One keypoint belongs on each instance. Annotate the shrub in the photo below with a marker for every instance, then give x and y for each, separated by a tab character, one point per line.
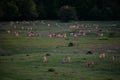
70	44
48	54
27	55
112	34
103	39
51	70
89	52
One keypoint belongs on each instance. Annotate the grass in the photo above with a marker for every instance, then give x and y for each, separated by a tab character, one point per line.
31	67
21	57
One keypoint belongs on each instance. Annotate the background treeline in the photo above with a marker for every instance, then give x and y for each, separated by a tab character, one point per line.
56	9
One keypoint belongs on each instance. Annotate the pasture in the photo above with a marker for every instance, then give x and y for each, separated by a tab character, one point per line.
23	44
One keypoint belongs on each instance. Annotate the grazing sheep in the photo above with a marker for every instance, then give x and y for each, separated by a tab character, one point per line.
66	59
90	64
17	34
64	35
49	25
102	56
101	34
8	31
30	34
112	58
44	59
50	35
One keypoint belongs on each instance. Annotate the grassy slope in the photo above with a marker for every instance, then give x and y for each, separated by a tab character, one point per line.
19	66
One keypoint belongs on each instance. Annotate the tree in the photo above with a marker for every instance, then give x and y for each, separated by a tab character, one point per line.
8	10
67	13
1	9
12	9
27	9
40	9
47	9
51	9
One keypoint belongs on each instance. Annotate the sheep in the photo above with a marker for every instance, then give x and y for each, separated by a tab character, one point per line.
66	59
64	35
102	56
17	33
101	34
90	64
30	34
112	58
49	24
50	35
44	59
8	31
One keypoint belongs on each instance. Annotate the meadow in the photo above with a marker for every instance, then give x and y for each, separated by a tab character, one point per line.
22	45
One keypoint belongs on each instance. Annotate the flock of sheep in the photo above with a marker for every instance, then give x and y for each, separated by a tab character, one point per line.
76	29
67	59
81	29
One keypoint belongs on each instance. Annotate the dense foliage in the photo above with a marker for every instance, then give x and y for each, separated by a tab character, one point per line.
50	9
67	13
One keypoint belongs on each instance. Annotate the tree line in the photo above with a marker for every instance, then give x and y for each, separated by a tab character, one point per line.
60	9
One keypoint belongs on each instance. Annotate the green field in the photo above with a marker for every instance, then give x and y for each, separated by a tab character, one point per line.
21	55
